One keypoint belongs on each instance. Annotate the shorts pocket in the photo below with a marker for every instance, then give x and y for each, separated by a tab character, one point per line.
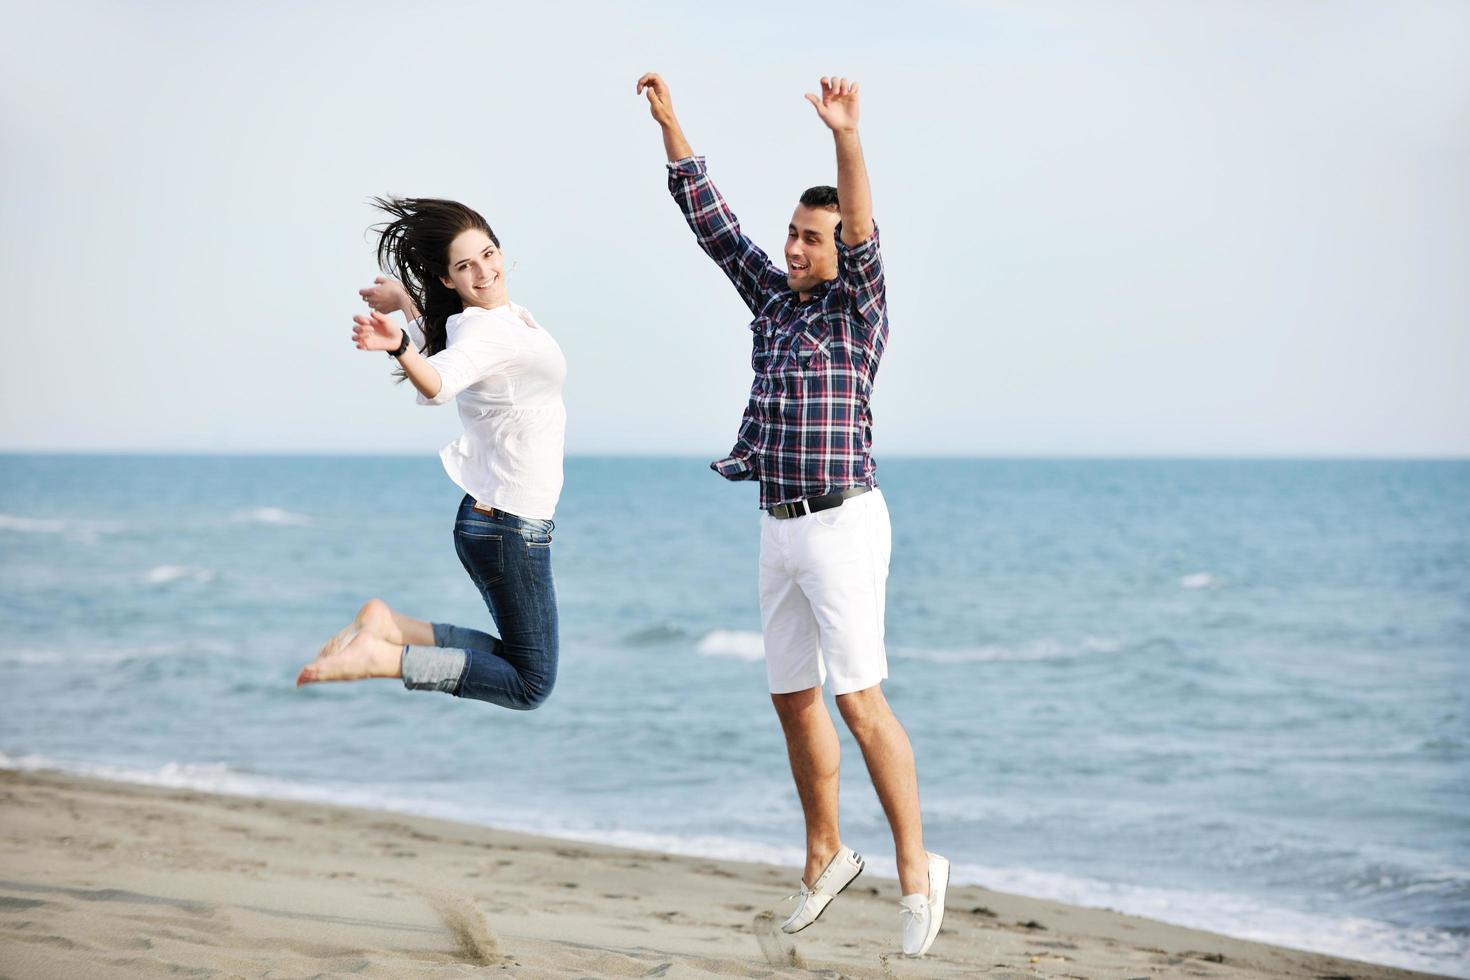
848	514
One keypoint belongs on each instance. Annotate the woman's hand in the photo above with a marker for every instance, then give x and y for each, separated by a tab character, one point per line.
376	332
386	295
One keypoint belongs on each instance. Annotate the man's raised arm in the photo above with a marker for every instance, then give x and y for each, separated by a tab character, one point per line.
662	109
838	107
859	262
715	226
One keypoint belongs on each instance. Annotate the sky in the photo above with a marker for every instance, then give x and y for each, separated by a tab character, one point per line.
1110	229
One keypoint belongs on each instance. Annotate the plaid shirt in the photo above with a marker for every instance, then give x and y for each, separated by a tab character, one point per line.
807	429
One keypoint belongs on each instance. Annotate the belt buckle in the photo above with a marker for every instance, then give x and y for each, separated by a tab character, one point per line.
797	508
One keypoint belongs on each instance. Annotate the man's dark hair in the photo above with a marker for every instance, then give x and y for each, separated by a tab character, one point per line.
820	196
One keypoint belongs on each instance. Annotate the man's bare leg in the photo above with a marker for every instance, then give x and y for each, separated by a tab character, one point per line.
890	760
811	745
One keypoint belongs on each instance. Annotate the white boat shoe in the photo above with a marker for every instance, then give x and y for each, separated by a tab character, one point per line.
813	901
922	914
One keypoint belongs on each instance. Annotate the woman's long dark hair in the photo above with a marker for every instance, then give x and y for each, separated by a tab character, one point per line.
414	249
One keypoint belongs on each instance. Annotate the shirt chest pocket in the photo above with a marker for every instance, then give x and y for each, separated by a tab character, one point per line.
807	354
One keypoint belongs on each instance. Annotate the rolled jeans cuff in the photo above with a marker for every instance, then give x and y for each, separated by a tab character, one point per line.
433	668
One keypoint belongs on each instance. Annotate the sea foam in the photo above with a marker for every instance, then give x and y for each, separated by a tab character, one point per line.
163	574
1042	649
32	525
748	645
270	515
230	781
737	644
1414	948
112	652
87	532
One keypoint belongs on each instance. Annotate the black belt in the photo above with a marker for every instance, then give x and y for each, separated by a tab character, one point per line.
813	504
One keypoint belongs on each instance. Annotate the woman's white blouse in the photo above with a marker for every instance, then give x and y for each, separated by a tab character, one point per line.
507	373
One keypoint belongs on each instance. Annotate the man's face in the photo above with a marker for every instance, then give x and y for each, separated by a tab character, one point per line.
811	248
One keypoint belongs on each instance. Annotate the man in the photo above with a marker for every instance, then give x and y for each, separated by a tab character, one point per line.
818	334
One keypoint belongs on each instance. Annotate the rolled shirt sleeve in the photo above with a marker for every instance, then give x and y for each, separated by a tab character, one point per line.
415	330
718	233
743	460
860	268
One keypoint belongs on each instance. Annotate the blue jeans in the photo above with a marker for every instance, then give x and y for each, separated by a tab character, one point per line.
509	560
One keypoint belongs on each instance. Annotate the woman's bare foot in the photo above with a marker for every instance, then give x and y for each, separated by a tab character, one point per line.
365	656
375	617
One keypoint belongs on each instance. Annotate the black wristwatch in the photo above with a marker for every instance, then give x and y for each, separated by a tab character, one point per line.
402	348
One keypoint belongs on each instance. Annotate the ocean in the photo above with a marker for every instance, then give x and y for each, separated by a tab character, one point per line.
1226	694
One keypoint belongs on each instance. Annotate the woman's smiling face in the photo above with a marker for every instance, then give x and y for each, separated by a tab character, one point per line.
477	269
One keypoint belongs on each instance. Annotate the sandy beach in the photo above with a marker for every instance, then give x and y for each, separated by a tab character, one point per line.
119	880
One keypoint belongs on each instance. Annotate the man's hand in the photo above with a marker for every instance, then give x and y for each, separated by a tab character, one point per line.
376	332
838	108
660	105
385	295
838	105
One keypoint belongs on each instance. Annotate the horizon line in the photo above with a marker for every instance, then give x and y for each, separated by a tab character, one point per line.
1299	456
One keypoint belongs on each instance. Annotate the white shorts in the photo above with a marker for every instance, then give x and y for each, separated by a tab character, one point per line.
822	583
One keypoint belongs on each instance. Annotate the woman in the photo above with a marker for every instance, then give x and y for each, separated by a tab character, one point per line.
473	345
